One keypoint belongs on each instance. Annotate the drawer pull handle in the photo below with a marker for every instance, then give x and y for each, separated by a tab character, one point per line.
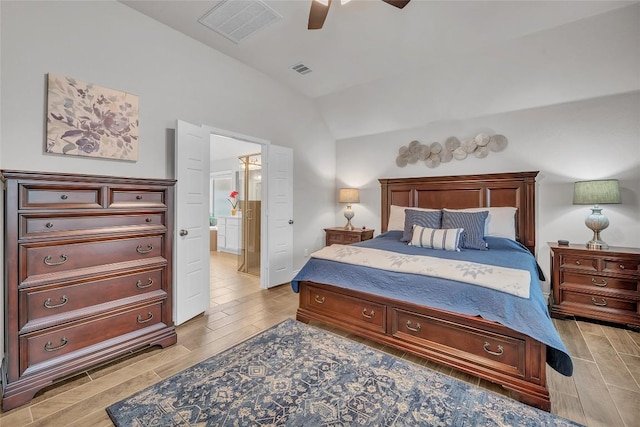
63	301
138	197
64	197
144	251
601	284
599	304
47	260
318	299
49	225
148	220
141	286
578	262
411	328
49	345
621	267
149	317
493	353
368	316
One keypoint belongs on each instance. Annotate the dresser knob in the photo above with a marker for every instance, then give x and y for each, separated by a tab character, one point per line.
49	225
621	267
144	251
148	220
578	262
64	197
138	197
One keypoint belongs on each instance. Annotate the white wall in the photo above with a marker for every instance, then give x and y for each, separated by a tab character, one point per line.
592	139
109	44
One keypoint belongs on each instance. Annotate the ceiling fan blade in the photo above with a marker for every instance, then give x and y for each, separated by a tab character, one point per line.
318	14
397	3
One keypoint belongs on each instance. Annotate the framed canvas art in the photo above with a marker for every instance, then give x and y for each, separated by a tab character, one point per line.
84	119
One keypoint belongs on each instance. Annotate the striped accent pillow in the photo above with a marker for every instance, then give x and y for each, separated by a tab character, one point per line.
473	224
422	218
440	238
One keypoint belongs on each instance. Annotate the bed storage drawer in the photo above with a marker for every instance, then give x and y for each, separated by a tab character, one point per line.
355	311
498	351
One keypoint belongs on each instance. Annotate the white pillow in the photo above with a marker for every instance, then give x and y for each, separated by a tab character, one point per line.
501	221
396	216
447	239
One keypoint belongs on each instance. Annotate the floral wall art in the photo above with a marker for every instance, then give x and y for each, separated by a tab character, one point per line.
435	153
84	119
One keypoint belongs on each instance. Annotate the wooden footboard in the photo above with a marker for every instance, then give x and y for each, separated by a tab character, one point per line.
470	344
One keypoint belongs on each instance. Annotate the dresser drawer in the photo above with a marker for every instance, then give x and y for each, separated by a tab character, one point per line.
42	306
58	226
41	197
131	198
599	302
72	256
595	281
578	263
47	345
500	352
630	267
352	310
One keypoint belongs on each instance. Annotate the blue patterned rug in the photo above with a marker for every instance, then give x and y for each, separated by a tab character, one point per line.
298	375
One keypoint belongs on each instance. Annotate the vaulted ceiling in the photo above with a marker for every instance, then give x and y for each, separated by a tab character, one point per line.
377	68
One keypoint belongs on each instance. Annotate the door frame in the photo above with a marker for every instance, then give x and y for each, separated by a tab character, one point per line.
264	277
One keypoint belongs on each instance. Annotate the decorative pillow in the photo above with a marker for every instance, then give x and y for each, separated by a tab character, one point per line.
413	217
501	221
441	238
473	224
396	216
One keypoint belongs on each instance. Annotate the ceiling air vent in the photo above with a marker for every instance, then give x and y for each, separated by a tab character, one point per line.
238	19
301	69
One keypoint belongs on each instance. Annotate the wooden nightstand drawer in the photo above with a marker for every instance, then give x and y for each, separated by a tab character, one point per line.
579	263
595	281
631	267
338	235
599	302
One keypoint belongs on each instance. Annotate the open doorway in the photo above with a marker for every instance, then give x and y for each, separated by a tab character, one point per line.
235	203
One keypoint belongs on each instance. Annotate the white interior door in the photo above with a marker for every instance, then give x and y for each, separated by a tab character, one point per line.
279	215
191	254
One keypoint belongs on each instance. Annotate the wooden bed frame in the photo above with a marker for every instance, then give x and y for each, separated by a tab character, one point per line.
470	344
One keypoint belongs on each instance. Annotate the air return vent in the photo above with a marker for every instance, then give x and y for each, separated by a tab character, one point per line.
238	19
301	68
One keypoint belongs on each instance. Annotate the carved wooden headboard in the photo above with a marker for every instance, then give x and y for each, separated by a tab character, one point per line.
515	189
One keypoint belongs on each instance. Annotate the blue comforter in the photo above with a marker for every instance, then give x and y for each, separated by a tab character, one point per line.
528	316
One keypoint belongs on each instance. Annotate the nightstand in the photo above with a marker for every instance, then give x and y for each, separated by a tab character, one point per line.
346	237
597	284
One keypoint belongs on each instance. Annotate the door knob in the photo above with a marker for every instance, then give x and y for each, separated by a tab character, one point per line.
184	232
290	221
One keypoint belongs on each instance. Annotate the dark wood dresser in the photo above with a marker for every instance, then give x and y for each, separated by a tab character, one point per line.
87	274
345	237
596	284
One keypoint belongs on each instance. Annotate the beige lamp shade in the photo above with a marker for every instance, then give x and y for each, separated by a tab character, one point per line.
349	195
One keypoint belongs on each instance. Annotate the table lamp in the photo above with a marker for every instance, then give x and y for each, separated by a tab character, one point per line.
348	196
596	193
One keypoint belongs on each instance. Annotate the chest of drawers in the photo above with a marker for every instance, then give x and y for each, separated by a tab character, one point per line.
596	284
88	274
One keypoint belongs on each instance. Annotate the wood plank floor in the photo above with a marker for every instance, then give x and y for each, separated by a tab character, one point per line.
604	391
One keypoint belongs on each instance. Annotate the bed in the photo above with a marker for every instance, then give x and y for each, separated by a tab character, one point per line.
503	338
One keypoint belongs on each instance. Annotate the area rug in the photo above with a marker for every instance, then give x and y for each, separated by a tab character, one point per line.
294	374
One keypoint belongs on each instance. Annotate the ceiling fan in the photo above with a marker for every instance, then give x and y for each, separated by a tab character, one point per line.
320	8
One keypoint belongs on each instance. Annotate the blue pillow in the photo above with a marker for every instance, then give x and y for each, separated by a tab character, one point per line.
429	219
473	224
